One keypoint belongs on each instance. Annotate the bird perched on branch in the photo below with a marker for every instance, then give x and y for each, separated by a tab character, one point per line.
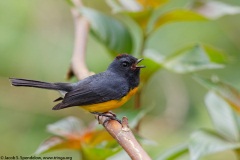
98	93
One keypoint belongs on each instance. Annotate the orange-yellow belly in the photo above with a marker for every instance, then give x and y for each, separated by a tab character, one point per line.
109	105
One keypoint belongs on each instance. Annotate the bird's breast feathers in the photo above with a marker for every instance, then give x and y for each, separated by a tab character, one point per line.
109	105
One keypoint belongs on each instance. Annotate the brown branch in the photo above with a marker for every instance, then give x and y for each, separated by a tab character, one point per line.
121	133
137	100
78	65
125	137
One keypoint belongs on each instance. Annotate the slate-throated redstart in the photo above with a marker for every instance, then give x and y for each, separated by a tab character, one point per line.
98	93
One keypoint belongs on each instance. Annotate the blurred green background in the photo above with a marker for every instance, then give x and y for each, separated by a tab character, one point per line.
36	42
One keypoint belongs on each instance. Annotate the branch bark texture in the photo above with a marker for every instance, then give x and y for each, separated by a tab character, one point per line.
78	65
125	137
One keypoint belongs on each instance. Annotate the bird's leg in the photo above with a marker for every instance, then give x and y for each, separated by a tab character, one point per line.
110	112
110	115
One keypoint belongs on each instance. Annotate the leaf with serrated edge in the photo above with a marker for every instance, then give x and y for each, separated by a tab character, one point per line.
205	142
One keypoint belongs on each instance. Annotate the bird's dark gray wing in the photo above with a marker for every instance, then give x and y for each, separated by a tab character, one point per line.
95	89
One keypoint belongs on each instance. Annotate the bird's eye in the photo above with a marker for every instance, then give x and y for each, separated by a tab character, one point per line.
125	64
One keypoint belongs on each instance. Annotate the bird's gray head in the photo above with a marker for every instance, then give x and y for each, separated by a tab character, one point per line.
127	66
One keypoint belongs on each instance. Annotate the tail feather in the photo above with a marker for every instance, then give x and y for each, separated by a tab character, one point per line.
60	106
39	84
58	99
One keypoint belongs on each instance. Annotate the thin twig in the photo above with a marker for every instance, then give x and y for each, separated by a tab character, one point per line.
137	100
124	136
121	133
78	65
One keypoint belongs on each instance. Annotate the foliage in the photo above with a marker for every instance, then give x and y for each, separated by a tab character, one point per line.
106	29
70	133
92	142
222	103
128	29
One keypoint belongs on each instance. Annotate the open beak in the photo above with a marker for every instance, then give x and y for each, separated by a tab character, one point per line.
138	61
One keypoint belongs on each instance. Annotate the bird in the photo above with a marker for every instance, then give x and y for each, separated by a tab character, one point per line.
98	93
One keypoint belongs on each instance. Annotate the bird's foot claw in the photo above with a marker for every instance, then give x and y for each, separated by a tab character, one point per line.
110	116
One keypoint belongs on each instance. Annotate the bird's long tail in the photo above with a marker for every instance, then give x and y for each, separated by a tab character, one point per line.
40	84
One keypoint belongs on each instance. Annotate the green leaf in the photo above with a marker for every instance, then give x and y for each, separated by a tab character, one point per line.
152	61
194	58
177	15
214	9
154	55
141	17
100	145
227	92
136	33
223	117
72	135
140	11
120	155
102	152
135	115
109	31
97	137
215	55
205	142
174	152
141	113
